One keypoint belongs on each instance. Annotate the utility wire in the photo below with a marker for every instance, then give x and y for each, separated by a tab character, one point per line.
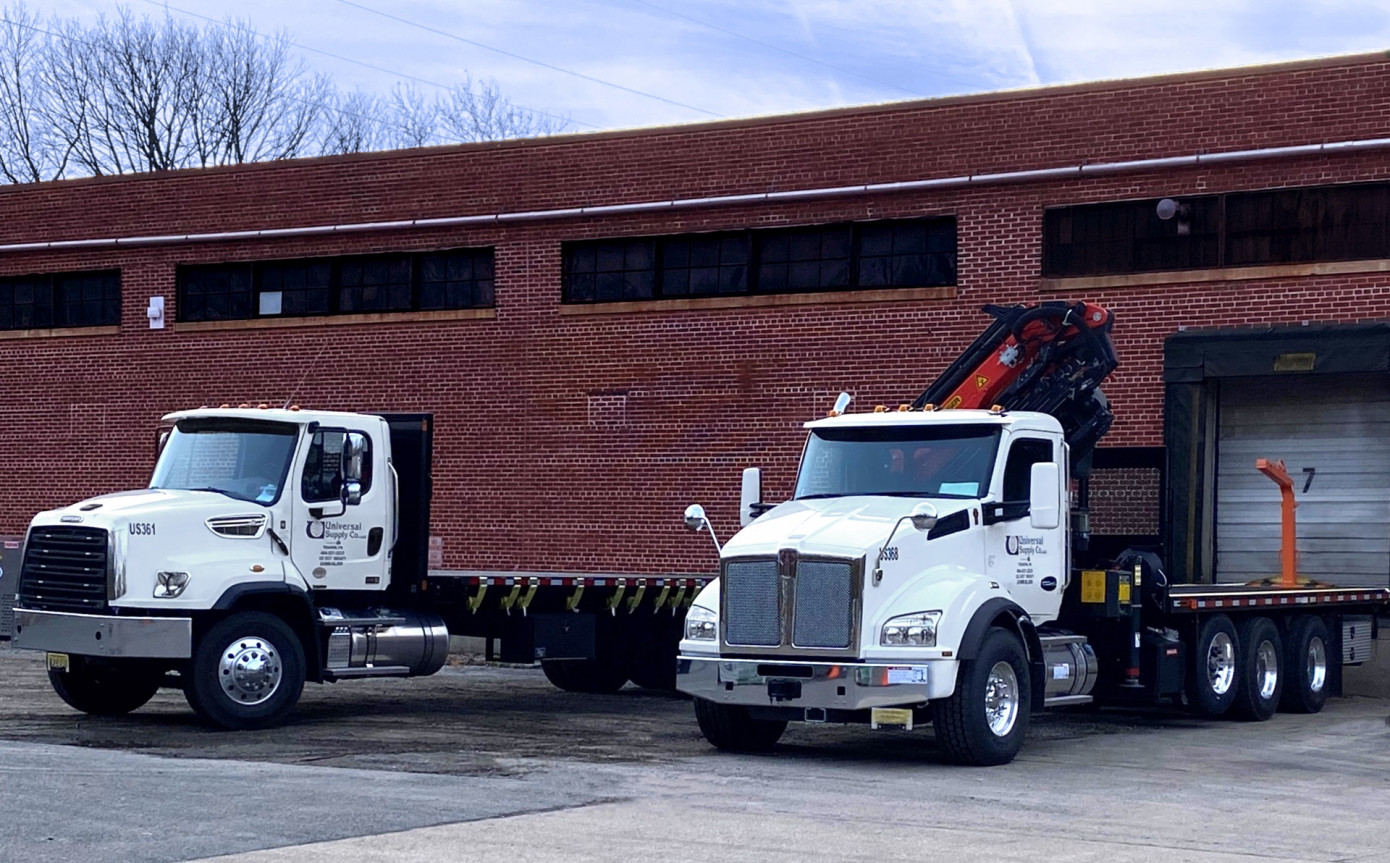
402	75
778	48
531	60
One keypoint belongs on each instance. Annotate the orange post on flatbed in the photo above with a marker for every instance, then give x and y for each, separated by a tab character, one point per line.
1288	534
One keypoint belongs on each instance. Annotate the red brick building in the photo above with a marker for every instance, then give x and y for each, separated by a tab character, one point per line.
610	326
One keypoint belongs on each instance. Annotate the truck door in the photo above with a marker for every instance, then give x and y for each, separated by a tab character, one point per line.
338	546
1031	563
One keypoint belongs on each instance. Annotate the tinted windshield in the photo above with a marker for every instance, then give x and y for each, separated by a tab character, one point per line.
914	461
244	459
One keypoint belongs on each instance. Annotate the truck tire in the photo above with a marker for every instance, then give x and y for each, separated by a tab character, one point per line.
247	672
730	728
1260	680
1305	665
105	687
1215	668
585	675
984	721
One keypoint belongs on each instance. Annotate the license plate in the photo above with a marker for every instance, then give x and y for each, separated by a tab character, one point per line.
891	717
58	661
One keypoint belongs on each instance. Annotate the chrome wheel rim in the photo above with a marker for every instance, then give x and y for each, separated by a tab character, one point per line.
1001	699
250	670
1317	664
1266	669
1221	664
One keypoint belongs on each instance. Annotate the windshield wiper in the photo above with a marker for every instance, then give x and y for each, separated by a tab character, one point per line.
823	494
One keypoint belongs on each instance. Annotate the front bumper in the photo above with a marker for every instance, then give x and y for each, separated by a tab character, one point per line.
103	635
773	683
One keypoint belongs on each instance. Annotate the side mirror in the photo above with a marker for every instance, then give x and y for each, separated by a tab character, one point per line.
924	516
695	517
352	492
695	520
1045	500
752	495
354	447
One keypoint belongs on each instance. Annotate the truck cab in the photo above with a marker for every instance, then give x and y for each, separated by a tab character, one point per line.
916	544
259	556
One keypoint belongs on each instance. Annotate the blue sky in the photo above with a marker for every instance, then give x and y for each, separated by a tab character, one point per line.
725	58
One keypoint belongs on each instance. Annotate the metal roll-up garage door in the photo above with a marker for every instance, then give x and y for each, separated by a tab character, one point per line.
1334	428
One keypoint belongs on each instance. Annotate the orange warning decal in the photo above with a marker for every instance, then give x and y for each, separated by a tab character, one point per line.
981	382
953	402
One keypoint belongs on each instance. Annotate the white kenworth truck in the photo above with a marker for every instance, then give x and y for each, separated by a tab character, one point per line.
922	572
275	546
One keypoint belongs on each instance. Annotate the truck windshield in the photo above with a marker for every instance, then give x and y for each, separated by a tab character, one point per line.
911	461
244	459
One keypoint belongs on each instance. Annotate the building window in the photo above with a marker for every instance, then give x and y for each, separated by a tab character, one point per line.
454	279
1240	229
60	300
805	259
901	253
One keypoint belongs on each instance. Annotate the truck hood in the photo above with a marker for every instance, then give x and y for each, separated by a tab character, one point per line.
837	527
147	505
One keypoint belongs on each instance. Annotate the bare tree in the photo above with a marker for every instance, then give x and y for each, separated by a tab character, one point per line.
477	111
259	102
130	93
31	150
353	123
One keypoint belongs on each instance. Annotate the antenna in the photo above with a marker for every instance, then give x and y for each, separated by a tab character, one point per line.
304	377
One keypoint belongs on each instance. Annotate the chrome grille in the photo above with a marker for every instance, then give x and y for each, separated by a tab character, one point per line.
823	613
64	570
791	605
751	598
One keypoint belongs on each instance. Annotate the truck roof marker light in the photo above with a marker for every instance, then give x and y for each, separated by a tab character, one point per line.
225	405
294	408
243	405
996	409
832	413
928	408
880	409
263	406
902	409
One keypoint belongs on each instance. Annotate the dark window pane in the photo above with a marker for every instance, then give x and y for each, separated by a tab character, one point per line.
804	259
455	279
896	254
704	265
623	270
218	292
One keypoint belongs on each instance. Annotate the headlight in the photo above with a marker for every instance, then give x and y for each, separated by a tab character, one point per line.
701	624
914	630
169	585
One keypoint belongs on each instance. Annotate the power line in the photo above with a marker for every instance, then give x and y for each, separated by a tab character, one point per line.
365	64
531	60
786	51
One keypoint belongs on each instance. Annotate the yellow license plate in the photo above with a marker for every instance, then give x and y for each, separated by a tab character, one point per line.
891	717
58	661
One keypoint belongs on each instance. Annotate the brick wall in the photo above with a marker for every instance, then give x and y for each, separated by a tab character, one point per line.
573	441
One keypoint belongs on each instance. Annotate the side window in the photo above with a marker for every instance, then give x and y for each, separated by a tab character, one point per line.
1018	470
323	478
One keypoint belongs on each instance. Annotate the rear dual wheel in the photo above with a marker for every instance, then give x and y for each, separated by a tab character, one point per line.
1306	665
1237	669
1261	679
